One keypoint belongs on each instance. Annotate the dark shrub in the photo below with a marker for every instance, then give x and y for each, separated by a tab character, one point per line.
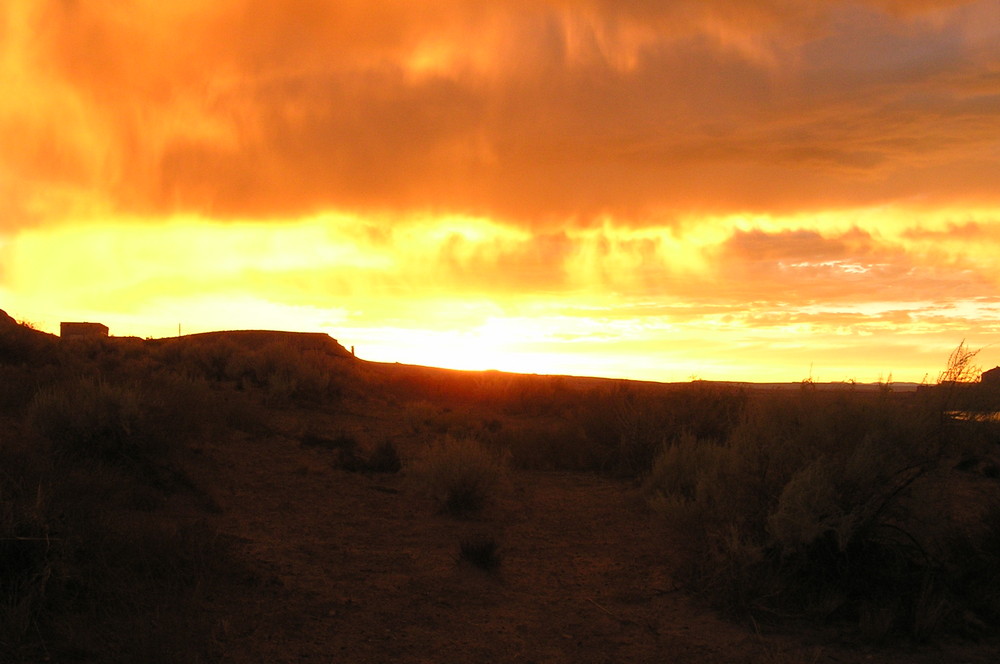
29	554
21	344
483	551
384	459
826	506
633	425
17	387
94	418
461	475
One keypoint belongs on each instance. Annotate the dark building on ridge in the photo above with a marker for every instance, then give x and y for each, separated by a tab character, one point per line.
82	330
991	377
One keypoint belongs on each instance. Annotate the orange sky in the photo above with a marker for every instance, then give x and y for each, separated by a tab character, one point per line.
635	188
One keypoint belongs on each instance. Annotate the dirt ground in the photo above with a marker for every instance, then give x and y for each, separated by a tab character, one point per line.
361	568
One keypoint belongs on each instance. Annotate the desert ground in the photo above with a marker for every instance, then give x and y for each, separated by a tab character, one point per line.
260	524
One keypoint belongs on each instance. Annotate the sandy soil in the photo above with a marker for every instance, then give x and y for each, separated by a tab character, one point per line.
356	568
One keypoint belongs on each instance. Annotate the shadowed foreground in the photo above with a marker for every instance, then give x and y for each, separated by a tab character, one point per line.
266	497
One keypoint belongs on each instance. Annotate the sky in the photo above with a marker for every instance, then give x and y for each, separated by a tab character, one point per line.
660	190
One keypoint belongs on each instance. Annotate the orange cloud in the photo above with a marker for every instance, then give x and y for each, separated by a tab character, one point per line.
561	110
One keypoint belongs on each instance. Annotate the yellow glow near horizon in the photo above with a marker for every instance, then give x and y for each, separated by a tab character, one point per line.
648	303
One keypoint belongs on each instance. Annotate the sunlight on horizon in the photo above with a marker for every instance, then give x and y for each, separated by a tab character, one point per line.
548	346
736	299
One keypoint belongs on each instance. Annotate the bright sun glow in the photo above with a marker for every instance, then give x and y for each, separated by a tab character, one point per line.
456	292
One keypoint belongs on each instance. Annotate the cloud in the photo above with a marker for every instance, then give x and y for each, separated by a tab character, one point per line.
715	269
969	230
795	245
564	111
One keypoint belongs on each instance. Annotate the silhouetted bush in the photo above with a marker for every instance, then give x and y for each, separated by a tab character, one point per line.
21	344
284	372
344	446
17	387
91	417
546	444
826	506
973	560
384	459
97	418
339	442
462	475
29	552
632	424
483	551
281	371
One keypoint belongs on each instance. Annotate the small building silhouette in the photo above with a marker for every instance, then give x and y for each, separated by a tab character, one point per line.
82	330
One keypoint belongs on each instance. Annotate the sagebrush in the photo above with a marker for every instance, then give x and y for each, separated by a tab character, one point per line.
832	506
462	475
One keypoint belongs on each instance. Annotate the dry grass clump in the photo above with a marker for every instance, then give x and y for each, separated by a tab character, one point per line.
129	420
544	444
646	424
384	459
93	417
280	371
627	427
21	344
283	373
28	552
339	442
17	386
480	550
462	475
616	429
